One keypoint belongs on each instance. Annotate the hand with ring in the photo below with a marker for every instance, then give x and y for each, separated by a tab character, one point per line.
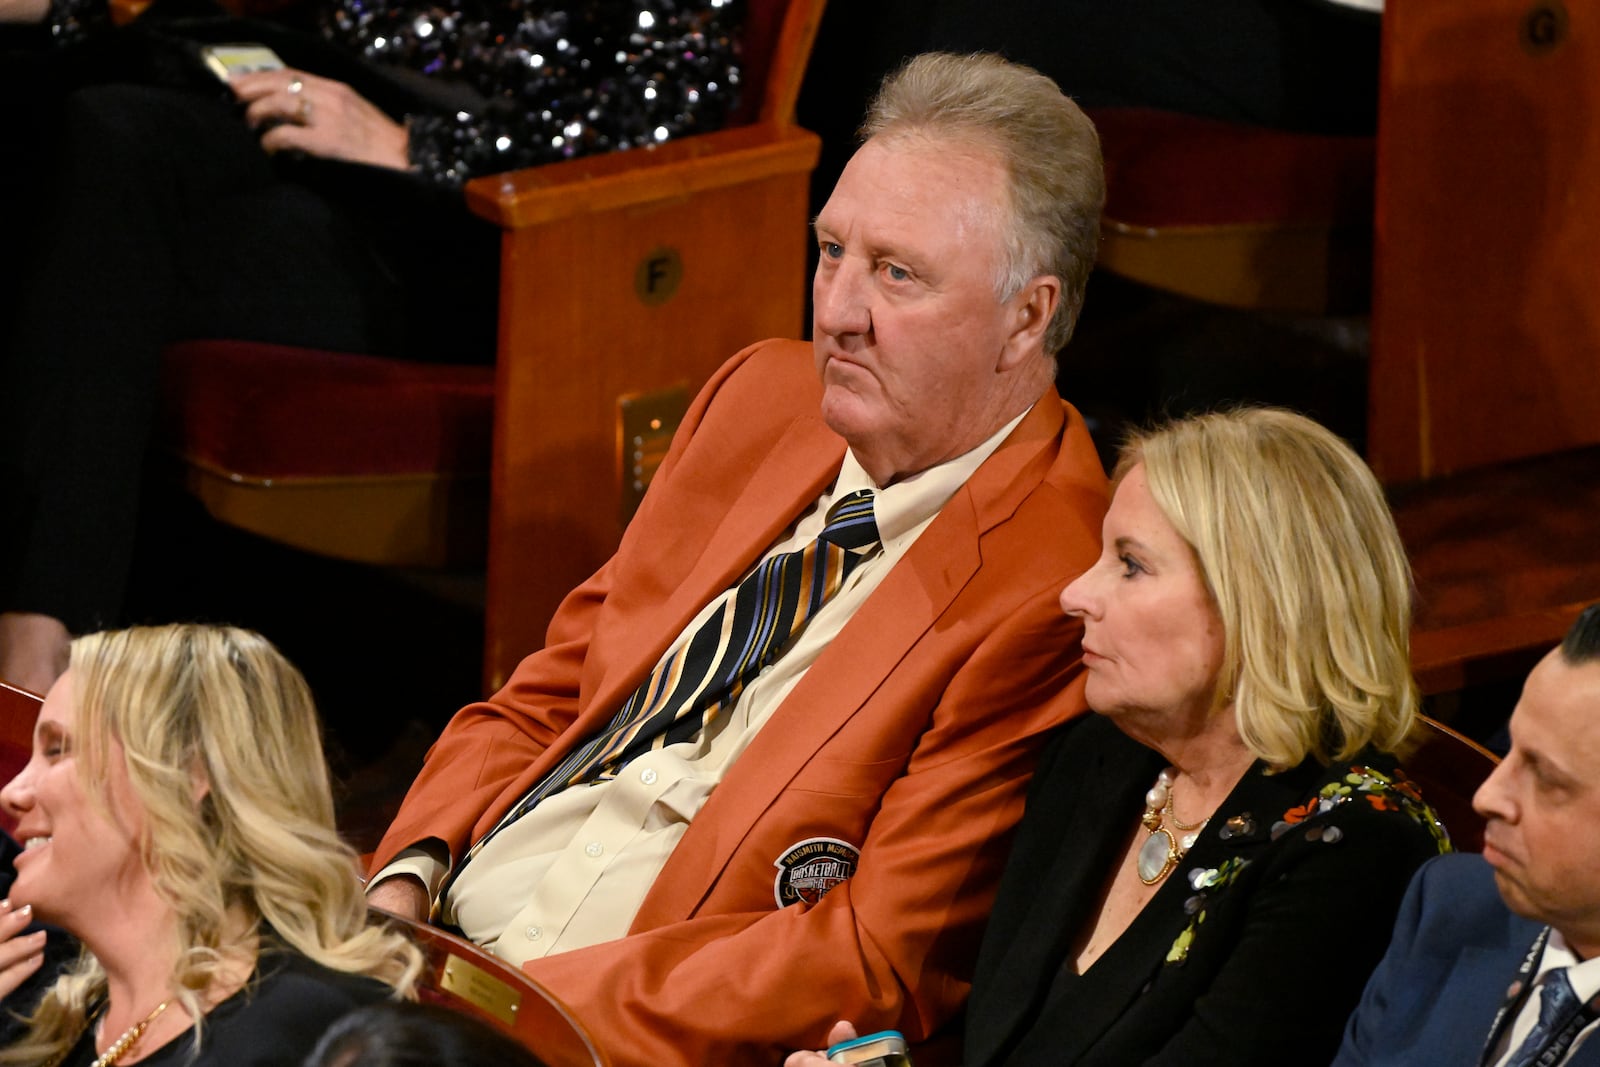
321	117
297	88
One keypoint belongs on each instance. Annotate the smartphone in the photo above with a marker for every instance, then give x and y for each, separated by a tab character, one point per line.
226	60
886	1048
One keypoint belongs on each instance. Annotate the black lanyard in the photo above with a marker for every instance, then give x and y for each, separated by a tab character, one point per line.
1555	1049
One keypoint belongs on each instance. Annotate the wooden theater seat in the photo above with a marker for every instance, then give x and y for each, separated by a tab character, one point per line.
626	279
464	977
1505	558
19	708
1484	399
1236	215
1450	768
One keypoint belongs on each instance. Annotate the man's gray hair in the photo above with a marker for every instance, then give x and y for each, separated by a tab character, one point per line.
1046	143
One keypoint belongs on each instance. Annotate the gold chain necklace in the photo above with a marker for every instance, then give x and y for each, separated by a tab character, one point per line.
1161	850
129	1038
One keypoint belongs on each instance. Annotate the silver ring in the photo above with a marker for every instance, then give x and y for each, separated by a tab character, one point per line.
296	86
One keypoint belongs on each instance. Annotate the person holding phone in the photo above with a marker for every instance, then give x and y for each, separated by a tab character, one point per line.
317	205
1208	869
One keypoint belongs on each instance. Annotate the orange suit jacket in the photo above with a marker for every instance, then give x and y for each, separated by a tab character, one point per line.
911	738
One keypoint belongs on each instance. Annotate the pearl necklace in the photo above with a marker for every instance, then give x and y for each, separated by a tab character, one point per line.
1161	851
129	1038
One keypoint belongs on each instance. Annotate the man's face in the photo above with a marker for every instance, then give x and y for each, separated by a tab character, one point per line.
911	338
1543	803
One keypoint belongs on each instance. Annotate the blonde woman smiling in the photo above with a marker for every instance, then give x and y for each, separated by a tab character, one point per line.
177	820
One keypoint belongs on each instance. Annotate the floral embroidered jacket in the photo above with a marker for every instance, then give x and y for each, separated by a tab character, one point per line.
1253	951
544	80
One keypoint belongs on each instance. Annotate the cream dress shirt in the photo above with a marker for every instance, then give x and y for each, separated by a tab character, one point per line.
574	871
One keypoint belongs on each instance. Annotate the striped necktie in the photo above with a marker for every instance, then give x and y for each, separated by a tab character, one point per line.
704	675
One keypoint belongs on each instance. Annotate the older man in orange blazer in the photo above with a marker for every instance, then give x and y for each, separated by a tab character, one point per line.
717	884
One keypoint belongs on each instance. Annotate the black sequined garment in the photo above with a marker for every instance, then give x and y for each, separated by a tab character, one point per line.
563	80
559	79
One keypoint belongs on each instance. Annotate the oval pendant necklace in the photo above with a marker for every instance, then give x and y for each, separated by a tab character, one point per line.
1161	851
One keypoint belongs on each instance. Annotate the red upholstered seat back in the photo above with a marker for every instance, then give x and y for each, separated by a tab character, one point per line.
1164	169
18	710
265	410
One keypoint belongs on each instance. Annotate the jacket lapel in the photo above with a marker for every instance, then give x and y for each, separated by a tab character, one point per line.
1119	977
696	565
843	679
794	473
1023	975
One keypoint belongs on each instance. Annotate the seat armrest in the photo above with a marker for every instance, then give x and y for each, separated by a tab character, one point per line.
521	198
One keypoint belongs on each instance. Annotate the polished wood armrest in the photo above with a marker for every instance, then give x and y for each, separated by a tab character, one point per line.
1449	767
664	173
465	978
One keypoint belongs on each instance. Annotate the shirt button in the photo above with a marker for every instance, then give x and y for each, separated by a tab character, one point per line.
648	776
594	848
534	933
767	669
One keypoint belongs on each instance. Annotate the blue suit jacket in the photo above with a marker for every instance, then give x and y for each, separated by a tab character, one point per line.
1455	951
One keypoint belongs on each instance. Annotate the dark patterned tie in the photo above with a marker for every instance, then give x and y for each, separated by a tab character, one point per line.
702	677
1558	1007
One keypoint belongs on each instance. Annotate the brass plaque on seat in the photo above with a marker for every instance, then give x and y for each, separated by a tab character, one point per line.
481	989
645	425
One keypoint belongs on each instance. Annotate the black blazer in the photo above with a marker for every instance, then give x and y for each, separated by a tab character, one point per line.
274	1021
1261	966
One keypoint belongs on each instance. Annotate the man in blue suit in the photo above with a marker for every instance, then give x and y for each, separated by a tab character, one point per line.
1496	958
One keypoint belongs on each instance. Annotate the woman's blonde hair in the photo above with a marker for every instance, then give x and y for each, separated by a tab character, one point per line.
1301	556
217	712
